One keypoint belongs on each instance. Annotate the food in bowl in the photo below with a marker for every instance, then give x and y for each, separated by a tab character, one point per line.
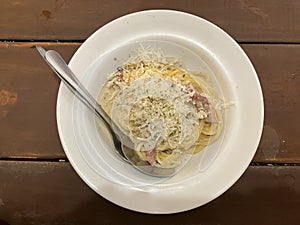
166	110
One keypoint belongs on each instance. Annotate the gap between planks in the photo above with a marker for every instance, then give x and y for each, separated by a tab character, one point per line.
8	41
19	159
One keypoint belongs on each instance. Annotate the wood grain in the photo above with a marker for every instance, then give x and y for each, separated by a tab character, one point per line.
279	73
52	193
28	125
245	20
28	91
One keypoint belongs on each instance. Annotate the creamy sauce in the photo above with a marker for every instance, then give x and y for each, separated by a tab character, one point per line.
177	113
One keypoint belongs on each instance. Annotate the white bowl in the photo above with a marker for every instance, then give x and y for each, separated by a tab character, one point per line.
201	46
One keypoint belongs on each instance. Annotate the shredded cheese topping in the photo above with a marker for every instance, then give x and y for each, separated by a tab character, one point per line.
165	110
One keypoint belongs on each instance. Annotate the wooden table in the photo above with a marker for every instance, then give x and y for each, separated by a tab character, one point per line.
37	183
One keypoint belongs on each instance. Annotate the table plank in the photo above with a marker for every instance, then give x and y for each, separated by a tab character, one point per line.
245	20
28	92
52	193
278	69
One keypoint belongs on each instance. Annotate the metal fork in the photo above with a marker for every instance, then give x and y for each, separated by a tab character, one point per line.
58	65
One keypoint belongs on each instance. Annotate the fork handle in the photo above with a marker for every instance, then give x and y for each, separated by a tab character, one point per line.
59	66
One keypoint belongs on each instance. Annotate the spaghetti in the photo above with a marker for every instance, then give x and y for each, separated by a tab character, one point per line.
167	111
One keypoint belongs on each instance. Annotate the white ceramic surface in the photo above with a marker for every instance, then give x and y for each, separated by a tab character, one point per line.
191	39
